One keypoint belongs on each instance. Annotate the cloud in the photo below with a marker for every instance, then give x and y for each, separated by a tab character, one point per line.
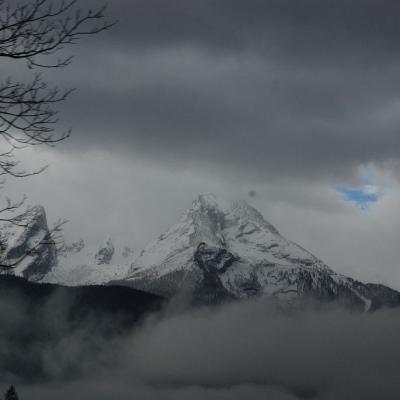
269	88
239	350
233	26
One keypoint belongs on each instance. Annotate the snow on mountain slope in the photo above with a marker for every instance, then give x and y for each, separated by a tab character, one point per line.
78	264
221	249
73	264
236	226
218	250
25	242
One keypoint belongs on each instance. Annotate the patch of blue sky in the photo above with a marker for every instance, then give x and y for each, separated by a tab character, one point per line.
362	196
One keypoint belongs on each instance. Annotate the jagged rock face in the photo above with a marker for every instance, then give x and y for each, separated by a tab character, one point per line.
105	253
220	250
225	276
71	264
18	241
213	262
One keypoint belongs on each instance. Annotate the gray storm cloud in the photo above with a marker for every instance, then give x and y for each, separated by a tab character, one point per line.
269	88
273	88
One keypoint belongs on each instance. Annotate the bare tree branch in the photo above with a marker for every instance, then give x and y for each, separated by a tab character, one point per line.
36	33
43	28
50	239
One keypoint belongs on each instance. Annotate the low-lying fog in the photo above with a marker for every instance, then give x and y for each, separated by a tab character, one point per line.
238	351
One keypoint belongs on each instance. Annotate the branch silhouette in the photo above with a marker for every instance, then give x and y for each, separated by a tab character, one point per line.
36	33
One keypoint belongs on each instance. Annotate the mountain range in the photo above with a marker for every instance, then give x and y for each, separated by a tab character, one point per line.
218	250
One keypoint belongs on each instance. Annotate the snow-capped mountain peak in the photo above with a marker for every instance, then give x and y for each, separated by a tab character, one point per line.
226	249
233	225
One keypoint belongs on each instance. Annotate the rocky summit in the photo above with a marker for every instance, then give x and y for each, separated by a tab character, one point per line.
226	250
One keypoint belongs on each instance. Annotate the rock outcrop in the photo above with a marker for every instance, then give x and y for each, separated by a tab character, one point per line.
27	245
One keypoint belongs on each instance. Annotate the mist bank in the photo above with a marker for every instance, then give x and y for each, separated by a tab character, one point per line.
250	349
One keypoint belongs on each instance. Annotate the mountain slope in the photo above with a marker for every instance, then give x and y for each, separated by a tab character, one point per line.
78	264
28	231
220	250
73	264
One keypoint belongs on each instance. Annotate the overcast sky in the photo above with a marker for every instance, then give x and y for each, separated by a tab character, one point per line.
292	100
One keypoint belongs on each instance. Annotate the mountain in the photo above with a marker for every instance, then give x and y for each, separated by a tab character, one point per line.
25	242
72	264
223	250
219	250
78	264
